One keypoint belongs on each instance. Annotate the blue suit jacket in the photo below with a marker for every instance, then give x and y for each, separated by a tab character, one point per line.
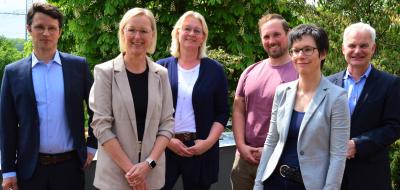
210	104
375	124
19	121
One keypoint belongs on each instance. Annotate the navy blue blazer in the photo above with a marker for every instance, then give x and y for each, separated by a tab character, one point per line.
210	104
19	121
375	124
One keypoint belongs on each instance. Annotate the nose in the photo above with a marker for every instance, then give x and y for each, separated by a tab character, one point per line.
137	34
46	31
357	49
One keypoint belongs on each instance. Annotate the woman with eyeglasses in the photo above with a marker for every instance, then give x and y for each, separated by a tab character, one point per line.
133	114
199	89
310	125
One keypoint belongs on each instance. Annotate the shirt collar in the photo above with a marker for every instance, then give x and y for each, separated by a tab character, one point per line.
56	59
365	75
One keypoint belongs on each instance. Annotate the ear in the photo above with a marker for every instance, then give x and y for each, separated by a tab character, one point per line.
343	51
29	28
322	55
374	48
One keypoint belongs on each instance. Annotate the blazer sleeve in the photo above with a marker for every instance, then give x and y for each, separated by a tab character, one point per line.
100	101
166	120
91	140
388	132
8	126
270	143
339	135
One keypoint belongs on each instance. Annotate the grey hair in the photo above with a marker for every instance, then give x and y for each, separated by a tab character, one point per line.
360	26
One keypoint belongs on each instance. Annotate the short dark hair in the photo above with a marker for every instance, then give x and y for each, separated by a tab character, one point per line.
317	33
264	19
47	9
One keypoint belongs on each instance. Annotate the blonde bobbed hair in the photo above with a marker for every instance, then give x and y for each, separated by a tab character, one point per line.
132	13
175	51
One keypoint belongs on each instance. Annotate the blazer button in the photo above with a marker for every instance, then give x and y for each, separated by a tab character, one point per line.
302	153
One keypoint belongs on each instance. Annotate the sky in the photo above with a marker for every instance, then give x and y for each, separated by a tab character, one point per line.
13	26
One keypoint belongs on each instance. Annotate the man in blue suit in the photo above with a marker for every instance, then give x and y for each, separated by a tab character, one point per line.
42	117
374	102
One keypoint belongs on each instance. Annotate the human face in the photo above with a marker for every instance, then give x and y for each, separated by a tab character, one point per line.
358	49
191	35
274	38
138	35
307	64
45	32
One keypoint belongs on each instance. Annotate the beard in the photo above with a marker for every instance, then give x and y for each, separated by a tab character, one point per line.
279	52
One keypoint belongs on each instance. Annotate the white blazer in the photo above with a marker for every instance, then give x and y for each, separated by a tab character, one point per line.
323	136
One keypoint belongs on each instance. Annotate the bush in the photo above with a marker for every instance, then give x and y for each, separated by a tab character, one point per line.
395	164
8	54
233	66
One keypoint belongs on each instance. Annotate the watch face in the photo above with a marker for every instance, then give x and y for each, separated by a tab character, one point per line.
151	163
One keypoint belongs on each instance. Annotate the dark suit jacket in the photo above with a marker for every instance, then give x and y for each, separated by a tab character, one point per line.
19	121
210	104
375	124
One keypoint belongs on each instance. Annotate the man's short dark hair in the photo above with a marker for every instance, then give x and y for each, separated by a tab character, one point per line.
317	33
46	9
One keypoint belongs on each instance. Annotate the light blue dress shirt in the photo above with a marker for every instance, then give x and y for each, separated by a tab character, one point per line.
354	88
48	84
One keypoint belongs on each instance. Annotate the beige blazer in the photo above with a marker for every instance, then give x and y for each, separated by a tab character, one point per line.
323	136
114	117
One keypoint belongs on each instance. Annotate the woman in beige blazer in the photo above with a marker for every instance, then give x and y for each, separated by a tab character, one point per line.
310	125
132	104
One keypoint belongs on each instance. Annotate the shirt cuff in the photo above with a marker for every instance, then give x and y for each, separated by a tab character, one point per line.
9	174
91	150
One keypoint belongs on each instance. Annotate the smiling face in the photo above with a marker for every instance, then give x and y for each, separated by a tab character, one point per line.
358	48
306	64
190	34
45	32
138	35
274	38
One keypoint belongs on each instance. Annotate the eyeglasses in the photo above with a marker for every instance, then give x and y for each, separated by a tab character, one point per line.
196	31
307	51
134	31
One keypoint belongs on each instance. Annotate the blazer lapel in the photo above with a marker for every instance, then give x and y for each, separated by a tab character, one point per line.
288	107
369	84
123	86
27	79
314	104
154	81
67	71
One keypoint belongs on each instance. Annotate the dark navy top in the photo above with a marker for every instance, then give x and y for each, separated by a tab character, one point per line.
289	155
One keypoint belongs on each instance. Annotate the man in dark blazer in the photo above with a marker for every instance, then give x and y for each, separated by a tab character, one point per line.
374	102
42	117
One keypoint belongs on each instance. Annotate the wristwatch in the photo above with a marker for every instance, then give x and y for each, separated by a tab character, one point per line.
151	163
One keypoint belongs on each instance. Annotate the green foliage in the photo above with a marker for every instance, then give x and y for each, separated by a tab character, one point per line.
28	48
91	26
18	43
395	164
335	15
8	54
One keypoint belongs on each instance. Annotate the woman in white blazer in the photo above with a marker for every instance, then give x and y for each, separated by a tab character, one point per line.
132	103
310	125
